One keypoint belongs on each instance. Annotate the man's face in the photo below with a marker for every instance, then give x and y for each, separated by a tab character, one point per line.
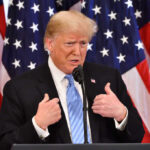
68	50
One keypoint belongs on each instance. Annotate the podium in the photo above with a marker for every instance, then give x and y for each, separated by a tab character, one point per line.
103	146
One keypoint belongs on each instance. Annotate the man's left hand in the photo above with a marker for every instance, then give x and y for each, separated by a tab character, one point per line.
108	105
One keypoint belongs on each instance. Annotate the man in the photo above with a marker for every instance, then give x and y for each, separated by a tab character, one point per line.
35	105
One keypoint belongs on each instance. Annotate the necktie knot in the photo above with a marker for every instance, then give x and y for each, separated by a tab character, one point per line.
69	77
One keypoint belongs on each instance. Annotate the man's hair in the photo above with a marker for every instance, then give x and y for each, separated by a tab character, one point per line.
70	21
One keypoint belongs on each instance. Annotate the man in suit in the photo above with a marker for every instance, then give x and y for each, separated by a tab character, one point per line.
35	110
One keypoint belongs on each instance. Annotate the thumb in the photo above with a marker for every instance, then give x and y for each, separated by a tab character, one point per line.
108	89
46	97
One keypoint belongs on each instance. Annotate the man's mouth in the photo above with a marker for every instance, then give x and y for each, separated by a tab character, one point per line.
75	61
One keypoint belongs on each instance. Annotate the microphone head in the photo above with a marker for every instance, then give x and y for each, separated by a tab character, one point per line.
78	74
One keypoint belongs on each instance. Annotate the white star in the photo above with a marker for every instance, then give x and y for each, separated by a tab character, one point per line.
112	15
32	65
59	2
16	63
20	5
138	14
139	45
33	46
11	3
129	3
83	4
34	27
108	34
50	11
35	8
104	52
89	47
124	39
17	44
6	41
8	21
121	58
97	10
18	24
127	21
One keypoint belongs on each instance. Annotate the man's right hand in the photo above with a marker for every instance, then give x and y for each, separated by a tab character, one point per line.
48	112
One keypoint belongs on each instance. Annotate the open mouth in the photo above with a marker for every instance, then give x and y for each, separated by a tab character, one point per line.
75	61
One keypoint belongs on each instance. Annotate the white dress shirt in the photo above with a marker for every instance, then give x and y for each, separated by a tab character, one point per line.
61	86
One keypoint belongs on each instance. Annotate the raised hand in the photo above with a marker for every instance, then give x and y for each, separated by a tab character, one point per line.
48	112
108	105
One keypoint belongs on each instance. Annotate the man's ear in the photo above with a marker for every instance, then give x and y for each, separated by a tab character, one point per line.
48	44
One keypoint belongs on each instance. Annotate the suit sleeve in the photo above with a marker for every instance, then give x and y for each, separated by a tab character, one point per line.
14	127
134	131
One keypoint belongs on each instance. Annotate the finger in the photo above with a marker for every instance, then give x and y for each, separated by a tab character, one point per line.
99	97
98	102
46	98
98	107
54	100
108	89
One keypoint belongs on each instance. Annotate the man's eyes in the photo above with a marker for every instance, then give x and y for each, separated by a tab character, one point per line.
73	43
83	43
69	43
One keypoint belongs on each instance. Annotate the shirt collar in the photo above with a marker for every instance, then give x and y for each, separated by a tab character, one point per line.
57	74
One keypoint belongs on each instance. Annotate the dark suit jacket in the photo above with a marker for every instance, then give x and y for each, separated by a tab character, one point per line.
23	94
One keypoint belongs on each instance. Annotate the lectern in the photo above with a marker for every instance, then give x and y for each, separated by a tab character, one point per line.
105	146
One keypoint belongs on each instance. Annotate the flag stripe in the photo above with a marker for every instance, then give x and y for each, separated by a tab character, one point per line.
2	19
145	36
138	95
3	74
143	71
4	77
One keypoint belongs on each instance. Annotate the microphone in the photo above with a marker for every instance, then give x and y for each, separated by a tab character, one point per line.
78	76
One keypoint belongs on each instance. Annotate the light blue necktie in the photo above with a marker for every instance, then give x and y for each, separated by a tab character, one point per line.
75	110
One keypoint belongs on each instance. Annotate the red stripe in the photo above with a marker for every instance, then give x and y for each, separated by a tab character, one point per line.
143	70
145	36
146	138
3	23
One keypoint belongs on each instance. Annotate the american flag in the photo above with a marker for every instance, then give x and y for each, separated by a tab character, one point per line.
116	44
142	13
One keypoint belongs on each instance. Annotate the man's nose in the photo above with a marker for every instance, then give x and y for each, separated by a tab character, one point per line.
77	49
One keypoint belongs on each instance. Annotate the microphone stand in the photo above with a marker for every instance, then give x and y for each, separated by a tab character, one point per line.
84	112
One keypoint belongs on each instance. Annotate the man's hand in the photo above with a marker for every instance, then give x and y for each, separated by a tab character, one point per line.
108	105
48	112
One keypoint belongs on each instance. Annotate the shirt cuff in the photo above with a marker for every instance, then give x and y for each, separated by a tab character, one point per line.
121	126
41	133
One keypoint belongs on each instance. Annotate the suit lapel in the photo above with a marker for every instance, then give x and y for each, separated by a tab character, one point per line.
46	85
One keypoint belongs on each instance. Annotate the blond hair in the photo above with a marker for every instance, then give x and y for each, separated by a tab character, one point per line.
70	21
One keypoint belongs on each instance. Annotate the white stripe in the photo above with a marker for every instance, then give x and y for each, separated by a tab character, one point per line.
139	94
4	77
6	3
